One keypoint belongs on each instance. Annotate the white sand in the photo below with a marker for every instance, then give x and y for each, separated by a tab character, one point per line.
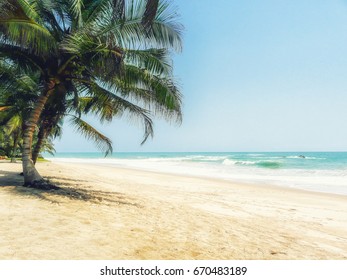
111	213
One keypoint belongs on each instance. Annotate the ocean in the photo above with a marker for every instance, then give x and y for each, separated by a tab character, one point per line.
313	171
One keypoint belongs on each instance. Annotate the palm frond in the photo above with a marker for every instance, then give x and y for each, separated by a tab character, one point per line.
160	94
107	105
26	61
164	29
48	147
95	9
76	8
153	60
14	123
103	59
30	8
28	34
102	142
131	33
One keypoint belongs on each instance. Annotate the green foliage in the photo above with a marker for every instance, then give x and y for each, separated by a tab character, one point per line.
103	57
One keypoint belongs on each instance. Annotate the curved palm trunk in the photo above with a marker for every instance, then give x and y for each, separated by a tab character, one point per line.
150	13
40	138
32	177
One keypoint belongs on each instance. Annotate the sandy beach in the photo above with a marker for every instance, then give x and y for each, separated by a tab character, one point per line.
103	212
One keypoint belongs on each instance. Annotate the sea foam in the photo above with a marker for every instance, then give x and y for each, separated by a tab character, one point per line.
323	172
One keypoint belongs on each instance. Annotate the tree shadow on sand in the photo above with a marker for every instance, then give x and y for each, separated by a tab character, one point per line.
66	188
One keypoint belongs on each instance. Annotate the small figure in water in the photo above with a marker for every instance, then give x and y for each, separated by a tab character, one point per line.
301	156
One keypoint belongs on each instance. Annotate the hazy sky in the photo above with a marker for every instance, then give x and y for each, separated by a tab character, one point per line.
265	75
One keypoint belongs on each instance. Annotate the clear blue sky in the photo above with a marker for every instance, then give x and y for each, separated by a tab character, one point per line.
265	75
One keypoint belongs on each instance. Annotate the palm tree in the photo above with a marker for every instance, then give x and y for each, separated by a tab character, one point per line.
51	120
11	135
14	108
114	53
17	92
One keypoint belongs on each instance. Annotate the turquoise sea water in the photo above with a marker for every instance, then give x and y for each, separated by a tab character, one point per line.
318	171
278	160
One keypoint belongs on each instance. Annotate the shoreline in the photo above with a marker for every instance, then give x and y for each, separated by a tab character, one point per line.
105	212
247	177
209	178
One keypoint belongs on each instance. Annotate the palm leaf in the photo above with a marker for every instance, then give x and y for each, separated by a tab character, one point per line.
23	60
28	34
76	9
95	9
131	33
154	90
102	142
107	105
30	8
154	60
14	123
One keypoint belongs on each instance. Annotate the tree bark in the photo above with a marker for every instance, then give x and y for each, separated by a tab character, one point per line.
32	177
40	138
